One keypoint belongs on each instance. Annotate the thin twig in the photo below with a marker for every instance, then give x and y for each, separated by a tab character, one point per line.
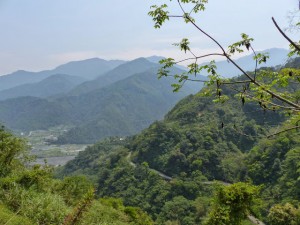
199	57
237	82
174	16
195	80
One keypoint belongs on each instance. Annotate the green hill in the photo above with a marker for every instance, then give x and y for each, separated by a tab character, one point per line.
123	108
31	113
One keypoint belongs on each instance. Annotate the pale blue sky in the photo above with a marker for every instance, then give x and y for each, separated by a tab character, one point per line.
41	34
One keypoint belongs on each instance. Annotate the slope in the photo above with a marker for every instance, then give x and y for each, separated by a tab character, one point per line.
190	145
121	72
123	108
31	113
200	141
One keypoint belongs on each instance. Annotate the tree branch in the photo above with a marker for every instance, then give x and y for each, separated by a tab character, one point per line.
296	106
282	131
255	71
199	57
195	80
285	36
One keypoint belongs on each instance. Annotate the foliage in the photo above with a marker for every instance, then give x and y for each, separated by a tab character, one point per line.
268	88
284	215
274	163
30	195
179	210
190	146
112	211
9	217
232	204
200	135
12	152
83	206
74	189
43	208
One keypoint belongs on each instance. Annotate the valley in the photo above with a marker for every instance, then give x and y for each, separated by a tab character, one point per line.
39	142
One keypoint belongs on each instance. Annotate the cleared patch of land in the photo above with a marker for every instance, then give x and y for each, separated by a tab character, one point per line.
41	147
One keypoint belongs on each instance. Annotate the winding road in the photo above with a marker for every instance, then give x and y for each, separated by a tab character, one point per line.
251	218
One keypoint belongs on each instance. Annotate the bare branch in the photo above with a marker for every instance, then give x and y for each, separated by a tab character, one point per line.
255	71
285	36
172	16
195	80
195	57
237	82
199	57
282	131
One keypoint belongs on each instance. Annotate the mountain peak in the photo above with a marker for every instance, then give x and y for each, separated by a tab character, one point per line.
155	58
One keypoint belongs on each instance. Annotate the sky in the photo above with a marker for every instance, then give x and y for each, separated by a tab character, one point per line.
42	34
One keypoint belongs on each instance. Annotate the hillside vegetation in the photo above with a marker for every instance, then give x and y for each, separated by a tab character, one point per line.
169	169
30	195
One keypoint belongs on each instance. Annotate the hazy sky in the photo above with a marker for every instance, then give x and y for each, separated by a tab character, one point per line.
41	34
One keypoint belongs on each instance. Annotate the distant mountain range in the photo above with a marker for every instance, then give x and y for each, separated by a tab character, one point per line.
86	69
98	98
122	101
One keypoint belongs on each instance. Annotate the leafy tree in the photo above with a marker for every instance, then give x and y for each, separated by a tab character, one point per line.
12	152
290	180
232	204
270	89
180	210
284	215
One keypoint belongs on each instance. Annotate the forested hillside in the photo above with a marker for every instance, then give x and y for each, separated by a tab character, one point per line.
174	162
204	157
121	109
